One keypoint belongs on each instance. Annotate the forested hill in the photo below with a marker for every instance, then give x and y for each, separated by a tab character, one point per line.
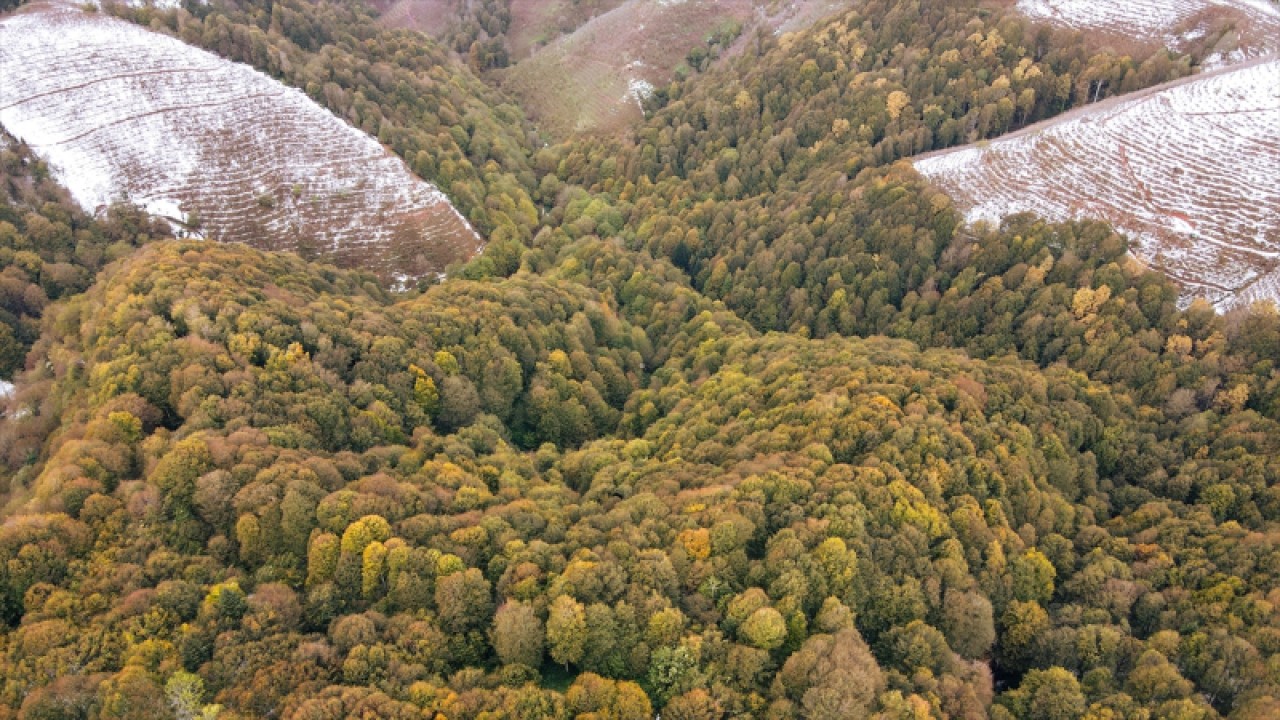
734	419
397	86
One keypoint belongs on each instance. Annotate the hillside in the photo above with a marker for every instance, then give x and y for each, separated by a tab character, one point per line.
1224	31
732	418
1187	171
124	113
588	65
332	507
432	17
597	77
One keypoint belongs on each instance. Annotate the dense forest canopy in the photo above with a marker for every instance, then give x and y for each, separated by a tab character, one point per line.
49	247
733	418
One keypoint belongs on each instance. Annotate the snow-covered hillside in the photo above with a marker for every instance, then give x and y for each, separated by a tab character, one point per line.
1247	28
122	113
1190	172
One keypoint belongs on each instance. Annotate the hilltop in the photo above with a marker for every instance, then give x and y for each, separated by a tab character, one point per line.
1185	169
223	151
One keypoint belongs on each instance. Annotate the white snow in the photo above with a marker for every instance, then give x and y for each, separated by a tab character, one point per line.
6	389
1176	22
1189	173
1221	60
1262	7
1149	16
639	90
164	208
158	4
123	113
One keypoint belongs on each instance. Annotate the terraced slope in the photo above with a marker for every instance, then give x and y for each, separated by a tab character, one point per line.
120	112
1189	171
1234	30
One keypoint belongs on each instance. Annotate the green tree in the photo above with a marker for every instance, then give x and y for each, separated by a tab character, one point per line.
566	630
185	694
1033	577
1052	694
765	629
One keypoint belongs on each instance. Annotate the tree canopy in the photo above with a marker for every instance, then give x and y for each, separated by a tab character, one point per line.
734	418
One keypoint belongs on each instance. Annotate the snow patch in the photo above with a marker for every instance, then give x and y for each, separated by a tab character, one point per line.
157	4
639	90
6	389
1262	7
164	208
1193	34
1221	60
401	282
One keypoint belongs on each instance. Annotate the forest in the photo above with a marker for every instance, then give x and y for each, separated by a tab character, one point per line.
734	417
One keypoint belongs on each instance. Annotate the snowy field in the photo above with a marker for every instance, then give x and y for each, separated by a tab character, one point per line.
1173	22
122	113
1191	173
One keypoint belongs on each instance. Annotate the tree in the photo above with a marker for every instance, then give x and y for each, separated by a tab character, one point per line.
176	475
459	403
72	697
1052	694
918	646
764	629
697	704
671	671
464	601
322	558
518	634
665	627
1155	679
425	392
132	693
185	693
1025	626
1033	576
968	623
566	630
593	696
373	571
832	676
